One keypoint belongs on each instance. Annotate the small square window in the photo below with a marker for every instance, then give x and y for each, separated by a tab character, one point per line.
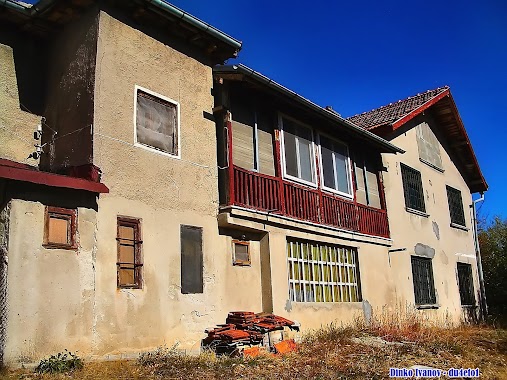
241	253
60	228
157	122
129	265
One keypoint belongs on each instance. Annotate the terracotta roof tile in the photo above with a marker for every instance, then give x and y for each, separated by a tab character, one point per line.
388	114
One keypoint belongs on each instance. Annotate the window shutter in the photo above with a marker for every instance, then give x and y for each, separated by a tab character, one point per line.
373	191
243	145
265	134
360	184
428	145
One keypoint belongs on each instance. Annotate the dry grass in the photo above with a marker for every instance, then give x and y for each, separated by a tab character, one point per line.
332	352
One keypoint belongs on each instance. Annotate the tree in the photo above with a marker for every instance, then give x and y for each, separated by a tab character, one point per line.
493	244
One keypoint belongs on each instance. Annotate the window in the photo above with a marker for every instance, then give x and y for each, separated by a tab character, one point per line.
466	284
252	138
367	185
412	188
129	265
335	166
322	273
429	148
422	275
191	260
241	253
157	122
455	206
298	151
60	228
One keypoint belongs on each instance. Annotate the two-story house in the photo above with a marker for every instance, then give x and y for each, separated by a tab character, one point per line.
435	262
167	190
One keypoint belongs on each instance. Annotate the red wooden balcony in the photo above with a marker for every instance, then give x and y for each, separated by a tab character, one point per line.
266	193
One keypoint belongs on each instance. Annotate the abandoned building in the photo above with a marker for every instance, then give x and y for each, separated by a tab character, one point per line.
166	188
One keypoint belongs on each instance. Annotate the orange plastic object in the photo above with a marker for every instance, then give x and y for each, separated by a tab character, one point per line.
285	346
251	352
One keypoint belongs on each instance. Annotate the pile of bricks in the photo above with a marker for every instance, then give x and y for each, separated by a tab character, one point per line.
244	328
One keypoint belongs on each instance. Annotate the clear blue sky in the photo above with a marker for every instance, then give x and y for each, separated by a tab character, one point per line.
358	55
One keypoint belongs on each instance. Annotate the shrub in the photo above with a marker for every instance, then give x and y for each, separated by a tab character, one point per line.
60	363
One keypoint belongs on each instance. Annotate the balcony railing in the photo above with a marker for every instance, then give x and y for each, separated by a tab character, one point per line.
277	196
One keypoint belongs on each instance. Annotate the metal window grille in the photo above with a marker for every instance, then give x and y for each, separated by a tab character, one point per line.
412	188
129	264
466	284
455	206
424	286
322	273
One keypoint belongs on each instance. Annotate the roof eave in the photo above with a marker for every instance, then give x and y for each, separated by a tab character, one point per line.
242	69
15	171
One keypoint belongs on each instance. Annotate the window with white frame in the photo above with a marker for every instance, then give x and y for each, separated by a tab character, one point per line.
322	272
298	152
335	166
157	122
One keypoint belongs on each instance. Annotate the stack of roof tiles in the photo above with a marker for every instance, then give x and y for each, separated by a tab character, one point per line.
244	328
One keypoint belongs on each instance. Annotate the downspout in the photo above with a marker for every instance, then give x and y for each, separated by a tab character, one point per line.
483	305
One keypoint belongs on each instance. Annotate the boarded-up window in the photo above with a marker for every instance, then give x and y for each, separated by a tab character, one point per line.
129	264
241	252
191	260
157	124
429	148
367	189
60	228
252	138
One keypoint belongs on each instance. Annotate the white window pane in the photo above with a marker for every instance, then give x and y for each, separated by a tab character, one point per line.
305	158
327	163
342	169
289	139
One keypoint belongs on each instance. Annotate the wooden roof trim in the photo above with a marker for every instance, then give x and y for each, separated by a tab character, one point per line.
468	145
401	121
18	172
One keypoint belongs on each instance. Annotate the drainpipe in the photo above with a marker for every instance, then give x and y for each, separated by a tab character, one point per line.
482	302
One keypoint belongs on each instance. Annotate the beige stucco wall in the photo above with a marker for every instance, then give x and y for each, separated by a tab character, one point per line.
50	291
408	229
16	126
165	193
377	287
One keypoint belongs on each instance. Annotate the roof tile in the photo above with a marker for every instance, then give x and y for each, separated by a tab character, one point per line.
388	114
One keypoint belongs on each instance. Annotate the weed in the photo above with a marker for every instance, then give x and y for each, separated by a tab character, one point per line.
60	363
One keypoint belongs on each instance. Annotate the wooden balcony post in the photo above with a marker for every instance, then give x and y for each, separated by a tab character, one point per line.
230	163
